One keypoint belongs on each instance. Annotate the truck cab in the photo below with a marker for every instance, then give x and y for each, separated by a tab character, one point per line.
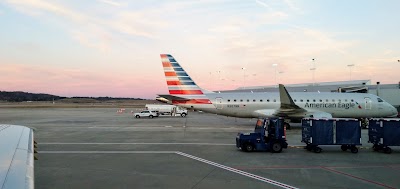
181	111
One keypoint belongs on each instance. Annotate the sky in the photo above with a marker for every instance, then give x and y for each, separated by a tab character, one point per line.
112	47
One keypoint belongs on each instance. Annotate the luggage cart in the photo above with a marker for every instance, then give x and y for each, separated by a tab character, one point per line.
384	133
338	131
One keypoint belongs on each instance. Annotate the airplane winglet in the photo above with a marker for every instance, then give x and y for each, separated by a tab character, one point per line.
286	99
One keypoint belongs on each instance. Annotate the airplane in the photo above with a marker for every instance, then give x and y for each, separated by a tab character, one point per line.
183	91
16	157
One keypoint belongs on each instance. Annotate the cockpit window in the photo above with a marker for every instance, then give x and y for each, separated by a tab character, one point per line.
380	100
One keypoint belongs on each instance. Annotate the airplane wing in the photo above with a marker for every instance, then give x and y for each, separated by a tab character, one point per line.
289	108
16	157
286	99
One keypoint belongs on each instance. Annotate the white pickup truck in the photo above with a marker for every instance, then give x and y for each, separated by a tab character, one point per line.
146	113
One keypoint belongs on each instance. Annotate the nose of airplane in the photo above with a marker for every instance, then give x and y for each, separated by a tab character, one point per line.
394	111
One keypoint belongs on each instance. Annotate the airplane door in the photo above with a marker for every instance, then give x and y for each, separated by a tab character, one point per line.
218	103
368	103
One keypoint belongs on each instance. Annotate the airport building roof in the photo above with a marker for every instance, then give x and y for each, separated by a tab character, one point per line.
330	83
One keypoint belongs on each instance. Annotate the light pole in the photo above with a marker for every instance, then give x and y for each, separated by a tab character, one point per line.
279	76
275	66
244	76
313	71
313	77
219	80
350	67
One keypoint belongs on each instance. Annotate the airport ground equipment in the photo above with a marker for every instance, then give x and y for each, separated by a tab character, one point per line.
165	109
268	135
384	133
333	131
145	113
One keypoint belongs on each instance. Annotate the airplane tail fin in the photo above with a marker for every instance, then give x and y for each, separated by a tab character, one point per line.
180	84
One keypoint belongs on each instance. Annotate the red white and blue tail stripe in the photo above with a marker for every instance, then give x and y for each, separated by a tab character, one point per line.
180	84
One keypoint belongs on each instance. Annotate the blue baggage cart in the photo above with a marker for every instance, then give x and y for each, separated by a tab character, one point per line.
336	131
268	135
383	133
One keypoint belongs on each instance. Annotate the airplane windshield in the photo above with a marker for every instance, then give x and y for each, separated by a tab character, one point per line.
380	100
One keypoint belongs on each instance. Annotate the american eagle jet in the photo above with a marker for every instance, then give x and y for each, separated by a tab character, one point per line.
183	91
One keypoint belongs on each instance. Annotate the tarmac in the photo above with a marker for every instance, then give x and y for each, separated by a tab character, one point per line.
100	148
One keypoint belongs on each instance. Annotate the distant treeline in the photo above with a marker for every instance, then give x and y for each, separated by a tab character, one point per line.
19	96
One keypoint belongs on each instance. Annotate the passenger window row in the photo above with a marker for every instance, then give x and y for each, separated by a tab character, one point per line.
295	100
320	100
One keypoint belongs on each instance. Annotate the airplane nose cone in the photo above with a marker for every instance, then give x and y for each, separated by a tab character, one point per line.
394	112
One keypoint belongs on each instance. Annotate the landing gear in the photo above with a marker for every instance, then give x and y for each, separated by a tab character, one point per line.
287	125
364	123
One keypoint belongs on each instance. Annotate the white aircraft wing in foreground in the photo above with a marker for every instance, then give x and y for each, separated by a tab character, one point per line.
16	157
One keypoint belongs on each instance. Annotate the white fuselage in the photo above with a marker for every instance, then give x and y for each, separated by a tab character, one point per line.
249	105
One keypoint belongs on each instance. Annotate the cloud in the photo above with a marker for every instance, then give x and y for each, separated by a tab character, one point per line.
144	23
288	42
136	24
291	5
109	2
100	39
384	60
93	30
282	5
39	7
273	17
264	4
255	45
388	52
